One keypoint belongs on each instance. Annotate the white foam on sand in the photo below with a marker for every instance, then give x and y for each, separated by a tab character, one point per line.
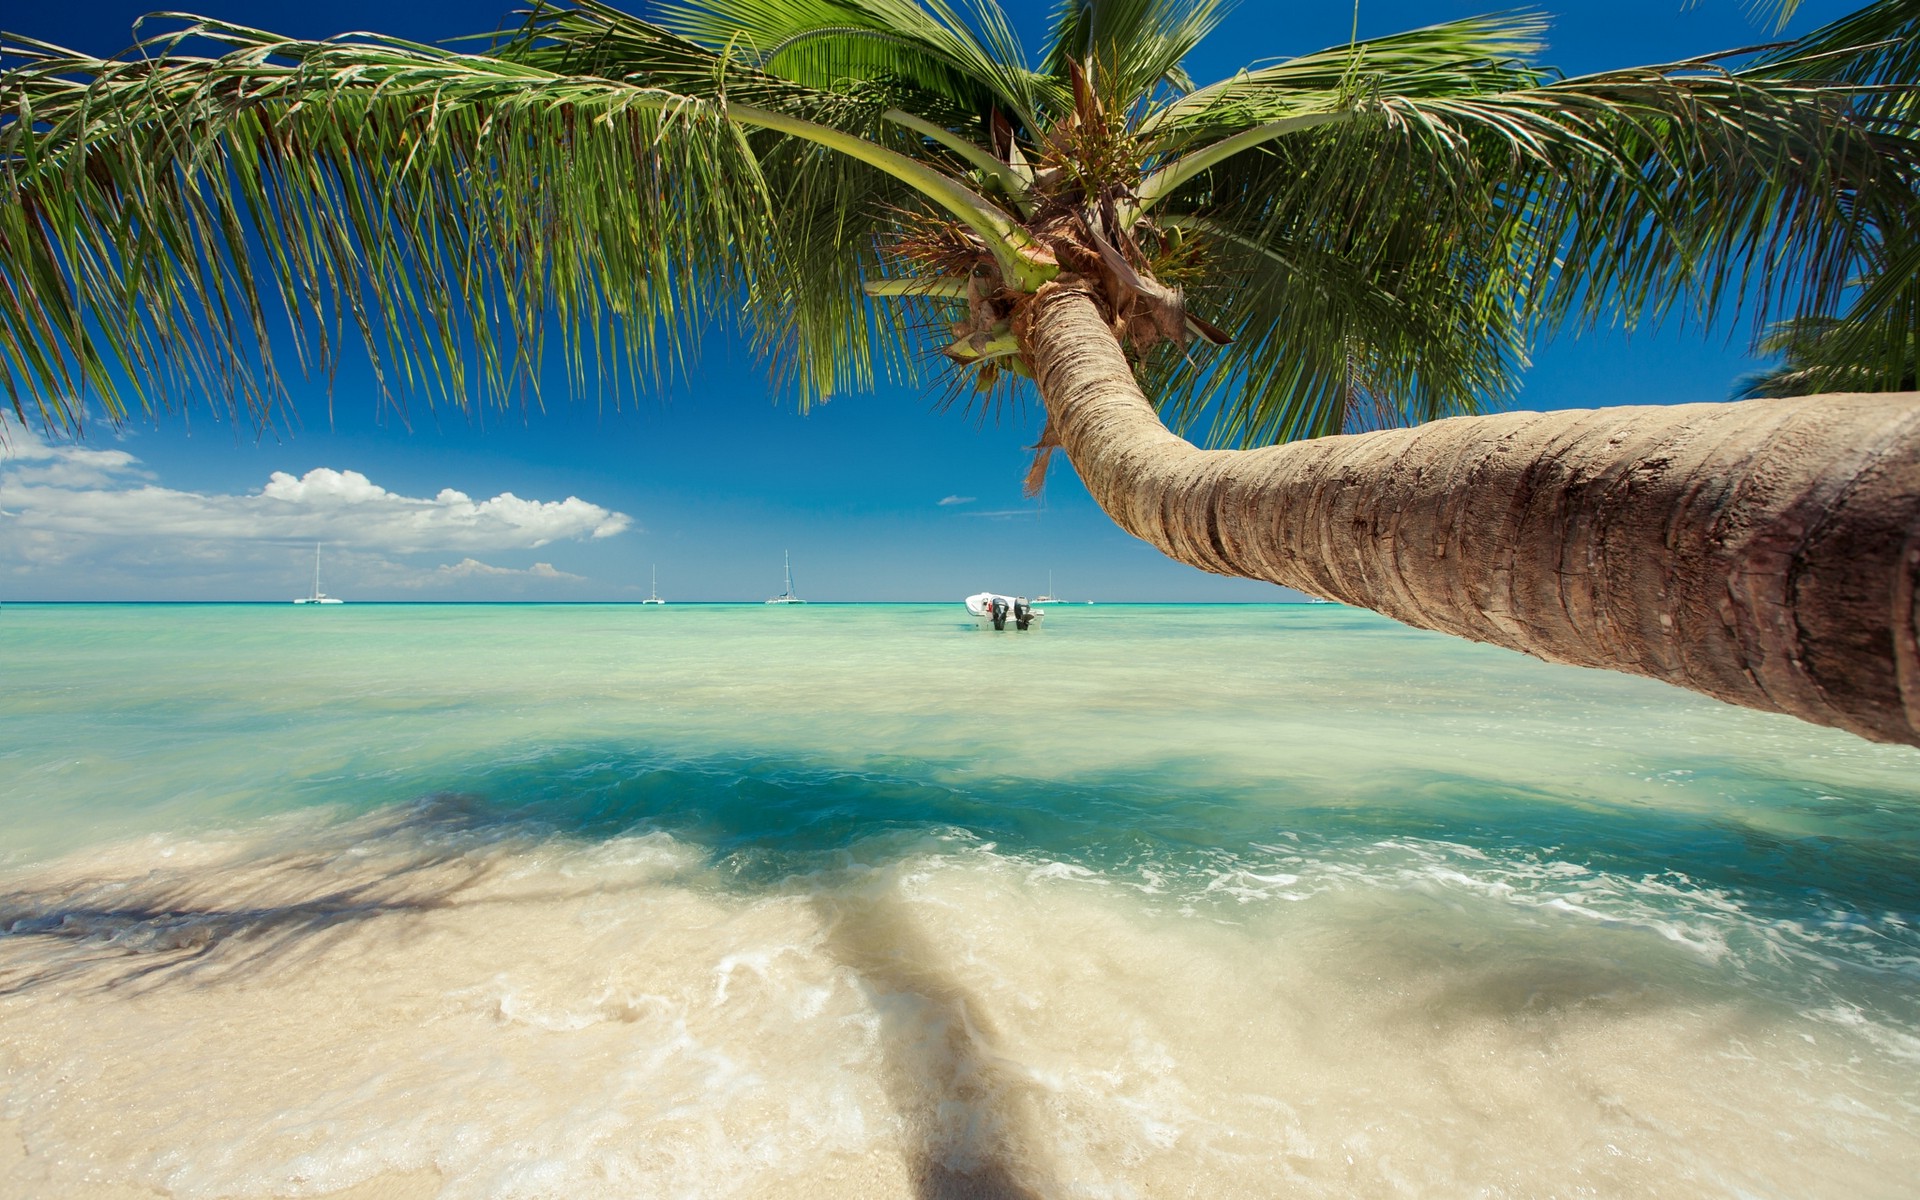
400	1004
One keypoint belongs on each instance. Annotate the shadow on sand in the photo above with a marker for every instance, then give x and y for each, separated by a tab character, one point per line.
228	918
965	1115
969	1120
253	910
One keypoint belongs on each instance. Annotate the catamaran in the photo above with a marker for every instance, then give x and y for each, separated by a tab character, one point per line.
787	597
653	593
318	597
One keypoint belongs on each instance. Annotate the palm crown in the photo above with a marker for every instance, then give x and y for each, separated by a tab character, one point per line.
1370	234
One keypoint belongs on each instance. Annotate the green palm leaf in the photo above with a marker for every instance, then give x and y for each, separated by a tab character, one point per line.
1139	44
1871	346
1474	56
1452	227
1381	227
964	65
451	208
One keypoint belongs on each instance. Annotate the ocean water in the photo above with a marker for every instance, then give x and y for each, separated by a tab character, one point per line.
697	901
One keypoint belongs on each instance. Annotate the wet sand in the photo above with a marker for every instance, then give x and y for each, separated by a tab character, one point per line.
397	1007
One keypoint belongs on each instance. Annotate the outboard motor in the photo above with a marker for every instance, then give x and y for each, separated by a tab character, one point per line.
999	611
1022	613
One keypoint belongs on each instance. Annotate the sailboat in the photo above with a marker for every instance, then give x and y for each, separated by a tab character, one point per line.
1049	598
318	597
787	597
653	595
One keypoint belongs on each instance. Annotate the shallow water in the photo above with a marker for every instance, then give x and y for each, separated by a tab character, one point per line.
857	900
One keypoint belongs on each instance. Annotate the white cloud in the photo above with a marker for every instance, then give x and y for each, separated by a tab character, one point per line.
473	568
29	458
956	500
75	491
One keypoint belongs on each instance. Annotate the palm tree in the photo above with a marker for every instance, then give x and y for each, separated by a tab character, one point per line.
1353	247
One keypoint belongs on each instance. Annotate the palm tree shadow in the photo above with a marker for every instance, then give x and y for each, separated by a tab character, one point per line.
964	1115
256	912
264	909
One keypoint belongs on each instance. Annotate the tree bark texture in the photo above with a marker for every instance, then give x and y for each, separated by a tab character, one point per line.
1764	552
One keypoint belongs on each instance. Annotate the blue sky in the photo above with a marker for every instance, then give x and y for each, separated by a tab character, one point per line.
879	496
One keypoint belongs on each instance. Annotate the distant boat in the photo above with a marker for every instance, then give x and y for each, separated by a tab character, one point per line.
787	597
1049	597
653	595
994	611
318	597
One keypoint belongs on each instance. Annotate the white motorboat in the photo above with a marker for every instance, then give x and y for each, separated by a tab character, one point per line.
994	611
318	597
787	597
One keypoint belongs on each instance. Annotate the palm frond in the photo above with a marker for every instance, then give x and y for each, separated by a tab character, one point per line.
1136	45
1780	10
968	62
1879	44
1623	197
808	316
1345	296
1874	346
1475	56
924	69
1666	190
450	209
1651	186
1382	228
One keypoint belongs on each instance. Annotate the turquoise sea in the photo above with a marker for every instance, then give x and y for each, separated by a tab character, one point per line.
709	900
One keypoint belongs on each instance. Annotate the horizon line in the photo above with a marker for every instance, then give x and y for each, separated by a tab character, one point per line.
666	604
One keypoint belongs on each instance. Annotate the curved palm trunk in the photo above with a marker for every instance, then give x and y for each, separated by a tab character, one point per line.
1765	553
